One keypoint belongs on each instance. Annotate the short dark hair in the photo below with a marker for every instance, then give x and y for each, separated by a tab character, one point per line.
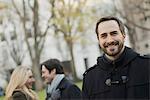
50	64
108	18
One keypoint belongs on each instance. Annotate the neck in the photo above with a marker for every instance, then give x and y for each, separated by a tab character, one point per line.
112	58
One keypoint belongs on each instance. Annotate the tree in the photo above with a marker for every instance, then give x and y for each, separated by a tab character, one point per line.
69	21
14	43
136	16
15	47
33	36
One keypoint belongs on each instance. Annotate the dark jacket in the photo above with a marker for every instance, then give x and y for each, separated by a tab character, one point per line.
125	78
68	91
20	95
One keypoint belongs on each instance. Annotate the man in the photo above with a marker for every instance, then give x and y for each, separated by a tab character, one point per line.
58	87
120	73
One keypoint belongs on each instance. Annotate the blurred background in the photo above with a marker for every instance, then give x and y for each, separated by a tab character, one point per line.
32	31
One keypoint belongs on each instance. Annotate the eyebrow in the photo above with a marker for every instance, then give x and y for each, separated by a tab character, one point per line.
113	32
103	33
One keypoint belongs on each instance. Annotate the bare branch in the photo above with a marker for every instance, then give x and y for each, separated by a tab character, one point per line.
130	21
25	30
17	10
136	25
43	36
30	5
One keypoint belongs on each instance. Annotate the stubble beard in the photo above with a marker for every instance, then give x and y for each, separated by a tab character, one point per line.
119	48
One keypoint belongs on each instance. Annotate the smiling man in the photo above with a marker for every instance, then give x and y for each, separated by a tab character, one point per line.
111	39
120	73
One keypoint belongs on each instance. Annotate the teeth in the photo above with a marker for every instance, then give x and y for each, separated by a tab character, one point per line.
110	45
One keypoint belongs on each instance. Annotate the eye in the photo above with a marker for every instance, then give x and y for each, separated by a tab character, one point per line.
114	33
30	76
42	72
103	35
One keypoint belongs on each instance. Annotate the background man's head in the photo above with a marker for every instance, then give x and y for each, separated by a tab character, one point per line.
50	68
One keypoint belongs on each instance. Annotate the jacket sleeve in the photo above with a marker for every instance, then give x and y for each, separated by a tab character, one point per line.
84	90
19	96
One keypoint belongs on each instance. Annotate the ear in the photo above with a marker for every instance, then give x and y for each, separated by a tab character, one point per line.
53	71
124	35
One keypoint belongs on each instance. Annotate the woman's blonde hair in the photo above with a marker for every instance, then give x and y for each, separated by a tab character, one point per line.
17	81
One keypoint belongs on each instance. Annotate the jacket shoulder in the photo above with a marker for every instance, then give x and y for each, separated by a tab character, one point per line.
88	70
144	56
74	91
19	95
69	90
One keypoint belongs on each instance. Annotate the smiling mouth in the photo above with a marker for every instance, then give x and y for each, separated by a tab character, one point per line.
106	45
109	46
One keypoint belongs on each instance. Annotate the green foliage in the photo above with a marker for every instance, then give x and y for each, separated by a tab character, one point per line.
42	95
2	98
79	84
69	18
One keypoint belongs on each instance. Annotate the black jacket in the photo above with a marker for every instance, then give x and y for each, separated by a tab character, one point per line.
126	78
68	91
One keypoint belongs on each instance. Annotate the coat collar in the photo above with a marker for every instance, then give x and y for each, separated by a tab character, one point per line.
63	84
127	56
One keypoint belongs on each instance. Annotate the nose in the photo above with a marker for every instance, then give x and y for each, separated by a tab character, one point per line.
42	75
33	79
109	39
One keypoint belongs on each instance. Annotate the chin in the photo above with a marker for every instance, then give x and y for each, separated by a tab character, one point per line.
112	53
29	87
46	82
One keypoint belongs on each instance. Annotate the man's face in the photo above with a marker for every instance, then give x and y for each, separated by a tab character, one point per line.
111	39
30	80
48	76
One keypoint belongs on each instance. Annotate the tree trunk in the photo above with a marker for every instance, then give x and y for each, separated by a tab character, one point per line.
70	45
37	75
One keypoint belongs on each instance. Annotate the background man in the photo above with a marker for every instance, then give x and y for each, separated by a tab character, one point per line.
58	87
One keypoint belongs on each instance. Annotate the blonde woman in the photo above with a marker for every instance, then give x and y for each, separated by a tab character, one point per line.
20	85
